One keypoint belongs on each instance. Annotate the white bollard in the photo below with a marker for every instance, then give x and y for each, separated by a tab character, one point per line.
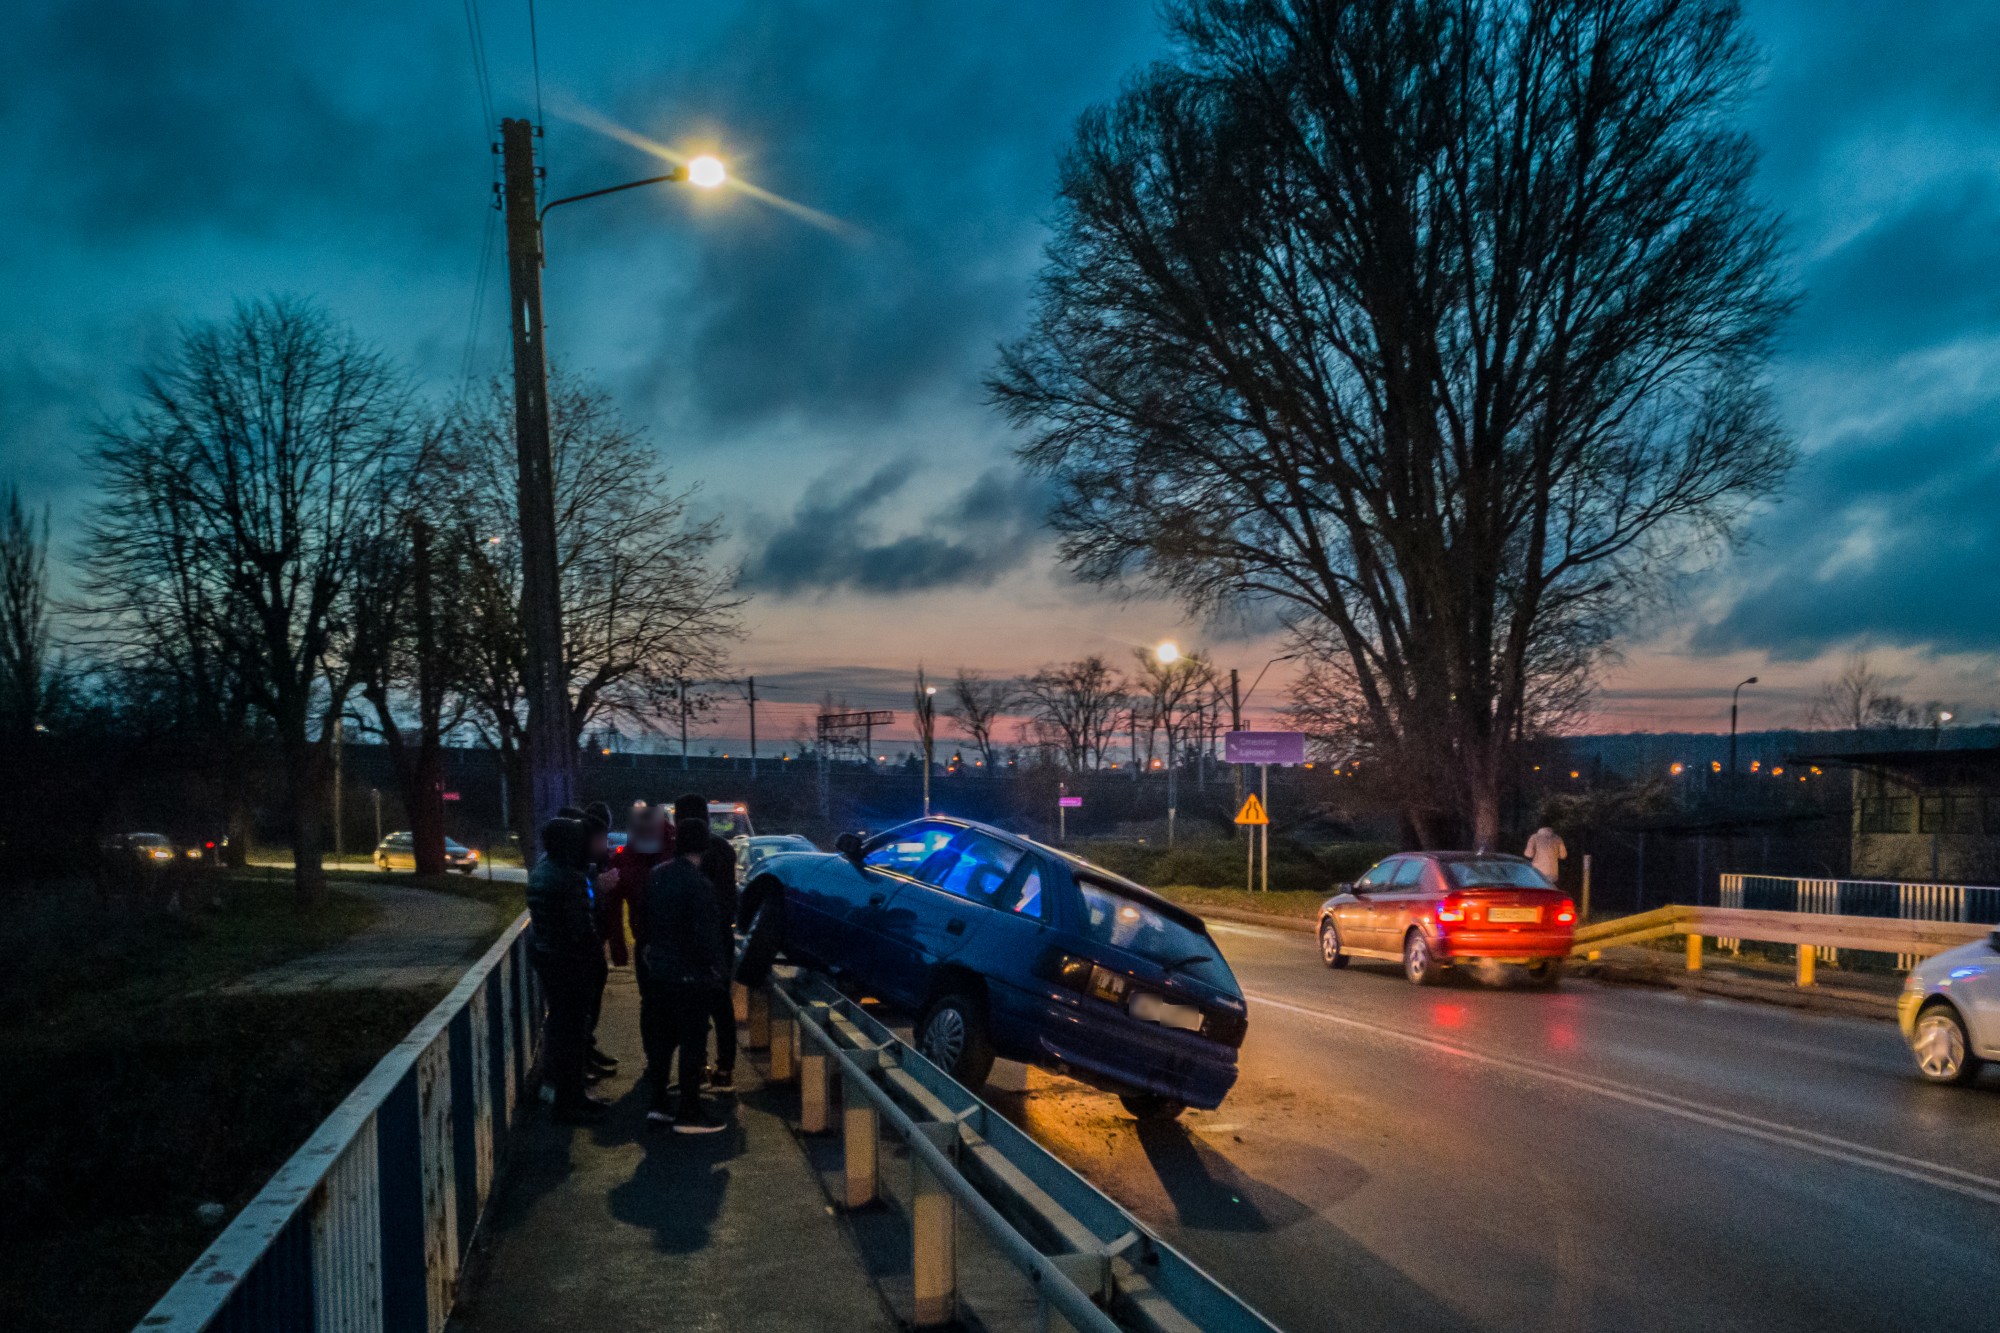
933	1237
861	1146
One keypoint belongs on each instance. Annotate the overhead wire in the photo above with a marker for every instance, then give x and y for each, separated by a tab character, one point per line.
475	31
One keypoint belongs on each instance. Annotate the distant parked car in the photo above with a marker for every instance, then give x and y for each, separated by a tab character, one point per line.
398	851
144	850
1950	1011
1434	910
1000	946
756	851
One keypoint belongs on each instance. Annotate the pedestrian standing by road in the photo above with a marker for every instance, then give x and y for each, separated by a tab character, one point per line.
567	955
649	842
718	866
685	969
1545	848
596	819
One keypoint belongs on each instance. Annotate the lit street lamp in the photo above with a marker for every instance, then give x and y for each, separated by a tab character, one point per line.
551	748
1733	695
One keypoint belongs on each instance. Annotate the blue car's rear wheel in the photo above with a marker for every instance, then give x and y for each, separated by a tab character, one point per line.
952	1035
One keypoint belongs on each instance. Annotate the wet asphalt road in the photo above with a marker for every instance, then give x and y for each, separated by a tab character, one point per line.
1471	1157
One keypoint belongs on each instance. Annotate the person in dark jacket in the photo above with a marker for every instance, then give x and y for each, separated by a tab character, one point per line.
718	866
569	958
596	819
685	969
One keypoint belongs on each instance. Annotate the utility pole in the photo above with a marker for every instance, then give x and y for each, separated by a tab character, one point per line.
339	747
1236	724
753	728
551	753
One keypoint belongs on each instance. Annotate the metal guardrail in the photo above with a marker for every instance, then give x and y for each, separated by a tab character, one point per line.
1813	931
1093	1267
1863	897
366	1226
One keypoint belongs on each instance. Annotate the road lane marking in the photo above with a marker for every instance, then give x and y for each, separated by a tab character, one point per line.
1249	932
1974	1186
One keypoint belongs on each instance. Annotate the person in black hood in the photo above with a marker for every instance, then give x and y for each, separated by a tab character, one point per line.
596	820
566	952
685	969
718	866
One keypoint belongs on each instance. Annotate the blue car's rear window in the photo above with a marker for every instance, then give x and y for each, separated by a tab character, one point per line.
1114	918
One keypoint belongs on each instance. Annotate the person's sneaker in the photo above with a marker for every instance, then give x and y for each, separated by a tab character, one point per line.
659	1115
595	1074
697	1120
721	1080
597	1058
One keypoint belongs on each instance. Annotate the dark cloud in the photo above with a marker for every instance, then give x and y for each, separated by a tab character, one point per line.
833	541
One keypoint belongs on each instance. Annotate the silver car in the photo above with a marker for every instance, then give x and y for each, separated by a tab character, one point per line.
1950	1011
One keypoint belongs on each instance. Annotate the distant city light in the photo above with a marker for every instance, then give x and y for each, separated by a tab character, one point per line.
1678	769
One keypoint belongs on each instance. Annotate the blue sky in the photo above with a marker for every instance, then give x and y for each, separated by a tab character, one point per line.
822	386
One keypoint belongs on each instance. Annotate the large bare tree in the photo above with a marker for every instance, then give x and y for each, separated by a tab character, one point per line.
1436	324
1076	706
645	606
238	502
976	708
27	677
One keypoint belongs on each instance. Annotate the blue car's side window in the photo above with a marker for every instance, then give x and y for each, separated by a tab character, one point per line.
1026	896
973	867
907	848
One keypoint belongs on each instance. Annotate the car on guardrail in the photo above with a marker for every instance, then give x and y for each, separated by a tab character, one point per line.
1433	910
1001	946
1950	1011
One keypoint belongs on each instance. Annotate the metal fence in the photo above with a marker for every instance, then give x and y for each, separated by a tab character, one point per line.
365	1228
1091	1266
1971	903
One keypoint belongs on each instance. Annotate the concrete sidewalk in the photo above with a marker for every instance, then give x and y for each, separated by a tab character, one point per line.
625	1227
420	939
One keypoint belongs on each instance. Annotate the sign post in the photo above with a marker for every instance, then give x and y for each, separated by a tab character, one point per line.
1262	748
1064	804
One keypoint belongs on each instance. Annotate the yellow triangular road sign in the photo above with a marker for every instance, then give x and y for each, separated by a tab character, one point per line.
1252	812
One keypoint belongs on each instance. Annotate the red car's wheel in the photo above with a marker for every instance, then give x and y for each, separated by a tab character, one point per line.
1418	965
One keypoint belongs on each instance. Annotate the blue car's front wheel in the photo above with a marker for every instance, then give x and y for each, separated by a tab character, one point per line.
952	1035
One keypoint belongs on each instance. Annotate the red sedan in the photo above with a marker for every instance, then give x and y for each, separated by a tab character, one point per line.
1431	910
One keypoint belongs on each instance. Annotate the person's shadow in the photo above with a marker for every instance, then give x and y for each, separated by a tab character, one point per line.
679	1186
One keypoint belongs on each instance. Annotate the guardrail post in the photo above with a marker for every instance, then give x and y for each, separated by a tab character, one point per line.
739	1001
933	1235
784	1049
815	1091
1806	964
1694	952
861	1145
758	1020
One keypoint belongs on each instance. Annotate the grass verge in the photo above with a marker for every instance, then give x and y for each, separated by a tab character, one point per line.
1302	904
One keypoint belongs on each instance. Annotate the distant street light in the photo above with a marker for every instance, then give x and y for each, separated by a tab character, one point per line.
1733	695
706	172
1167	653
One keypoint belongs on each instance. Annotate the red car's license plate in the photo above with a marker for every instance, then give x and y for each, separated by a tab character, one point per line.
1510	915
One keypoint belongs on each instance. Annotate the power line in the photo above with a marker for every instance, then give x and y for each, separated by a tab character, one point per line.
475	33
478	301
535	57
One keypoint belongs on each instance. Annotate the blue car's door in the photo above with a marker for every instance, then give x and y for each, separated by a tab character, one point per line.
943	906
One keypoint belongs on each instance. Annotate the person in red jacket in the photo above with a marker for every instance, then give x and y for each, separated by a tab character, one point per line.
649	840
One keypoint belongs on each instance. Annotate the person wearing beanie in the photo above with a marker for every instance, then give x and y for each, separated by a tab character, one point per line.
685	969
718	866
565	951
596	821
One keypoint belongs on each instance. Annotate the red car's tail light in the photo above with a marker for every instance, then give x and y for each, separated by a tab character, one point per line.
1451	909
1566	914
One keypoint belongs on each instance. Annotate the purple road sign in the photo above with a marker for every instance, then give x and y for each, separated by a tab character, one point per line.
1070	802
1264	747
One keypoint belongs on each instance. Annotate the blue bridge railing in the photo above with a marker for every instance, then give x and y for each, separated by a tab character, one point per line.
367	1225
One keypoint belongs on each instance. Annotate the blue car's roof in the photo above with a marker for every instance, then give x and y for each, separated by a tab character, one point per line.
1078	865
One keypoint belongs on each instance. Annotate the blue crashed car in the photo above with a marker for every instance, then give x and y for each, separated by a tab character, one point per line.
1004	947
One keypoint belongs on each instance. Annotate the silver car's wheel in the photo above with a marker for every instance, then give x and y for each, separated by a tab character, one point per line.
1418	965
1944	1055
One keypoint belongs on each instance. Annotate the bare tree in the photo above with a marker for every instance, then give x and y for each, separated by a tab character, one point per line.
239	500
1075	706
1438	326
977	706
1859	699
645	608
27	677
1175	694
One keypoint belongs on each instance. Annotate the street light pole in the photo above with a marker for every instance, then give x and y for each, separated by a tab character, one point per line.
551	752
1733	695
